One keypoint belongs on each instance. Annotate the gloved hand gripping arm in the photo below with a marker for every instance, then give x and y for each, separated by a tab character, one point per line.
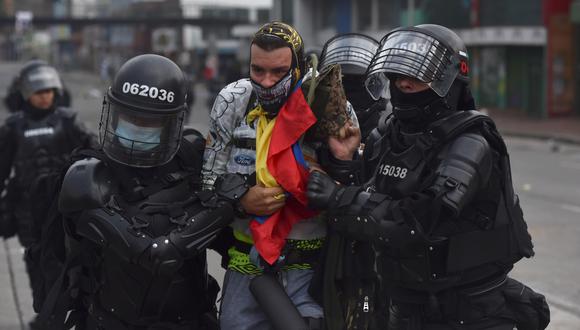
467	166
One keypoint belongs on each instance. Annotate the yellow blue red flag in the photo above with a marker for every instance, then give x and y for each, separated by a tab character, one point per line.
286	165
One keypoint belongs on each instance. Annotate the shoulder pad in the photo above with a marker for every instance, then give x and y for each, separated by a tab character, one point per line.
14	118
86	185
449	127
465	169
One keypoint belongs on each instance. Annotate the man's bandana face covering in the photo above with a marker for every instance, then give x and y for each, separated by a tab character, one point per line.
274	97
136	137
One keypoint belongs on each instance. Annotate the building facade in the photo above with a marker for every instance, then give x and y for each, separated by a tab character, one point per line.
522	52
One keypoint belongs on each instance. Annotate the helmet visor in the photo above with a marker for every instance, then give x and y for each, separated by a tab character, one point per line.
354	52
139	139
417	55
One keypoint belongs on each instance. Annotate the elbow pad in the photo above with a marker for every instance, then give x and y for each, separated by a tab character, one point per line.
465	169
201	229
167	253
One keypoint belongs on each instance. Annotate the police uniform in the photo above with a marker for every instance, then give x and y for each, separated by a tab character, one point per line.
36	145
437	202
137	222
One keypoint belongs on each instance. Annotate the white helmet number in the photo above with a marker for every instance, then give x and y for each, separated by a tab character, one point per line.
147	91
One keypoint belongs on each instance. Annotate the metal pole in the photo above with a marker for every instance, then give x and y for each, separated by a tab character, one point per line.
13	284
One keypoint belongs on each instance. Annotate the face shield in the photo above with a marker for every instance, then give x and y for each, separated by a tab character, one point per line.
353	52
415	54
139	139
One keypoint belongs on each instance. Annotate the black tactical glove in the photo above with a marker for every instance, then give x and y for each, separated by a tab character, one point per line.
323	192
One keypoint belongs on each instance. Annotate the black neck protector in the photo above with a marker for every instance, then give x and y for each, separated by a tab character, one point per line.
37	113
416	111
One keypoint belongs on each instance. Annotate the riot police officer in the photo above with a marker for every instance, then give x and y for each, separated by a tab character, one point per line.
137	222
35	143
354	52
438	202
349	262
14	99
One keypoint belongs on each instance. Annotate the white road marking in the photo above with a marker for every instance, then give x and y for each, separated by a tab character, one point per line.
570	207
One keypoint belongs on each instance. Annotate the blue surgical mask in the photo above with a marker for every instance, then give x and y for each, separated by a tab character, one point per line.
140	138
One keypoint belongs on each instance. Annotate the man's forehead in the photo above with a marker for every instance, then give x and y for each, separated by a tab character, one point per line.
271	58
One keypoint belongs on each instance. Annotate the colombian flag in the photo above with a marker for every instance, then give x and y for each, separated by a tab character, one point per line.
282	165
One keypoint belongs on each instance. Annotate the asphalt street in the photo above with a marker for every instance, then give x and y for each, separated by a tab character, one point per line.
546	177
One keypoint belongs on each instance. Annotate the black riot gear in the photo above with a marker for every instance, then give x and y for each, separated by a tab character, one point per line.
137	229
437	201
143	112
36	149
35	145
440	208
15	100
431	54
37	75
354	53
142	234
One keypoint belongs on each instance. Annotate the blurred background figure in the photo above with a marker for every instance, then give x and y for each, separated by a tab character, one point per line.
14	100
35	144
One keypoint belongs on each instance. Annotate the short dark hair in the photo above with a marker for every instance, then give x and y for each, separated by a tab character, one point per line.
269	42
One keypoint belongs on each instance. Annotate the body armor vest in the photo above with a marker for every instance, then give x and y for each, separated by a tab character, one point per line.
488	237
43	147
151	204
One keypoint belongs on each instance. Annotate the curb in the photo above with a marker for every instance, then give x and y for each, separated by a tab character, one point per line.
567	139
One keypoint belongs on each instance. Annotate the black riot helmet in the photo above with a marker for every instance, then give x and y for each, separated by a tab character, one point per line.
36	76
353	51
430	53
143	112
